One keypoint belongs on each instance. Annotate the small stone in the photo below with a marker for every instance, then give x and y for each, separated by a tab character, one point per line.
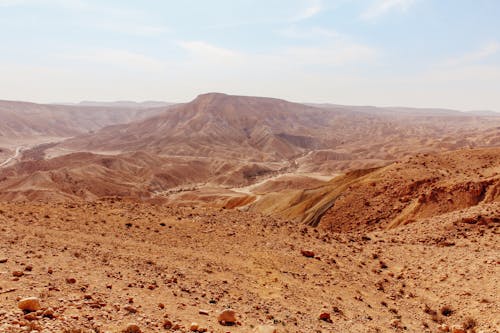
265	329
167	324
17	273
29	304
31	316
227	317
130	309
307	253
70	280
48	313
132	328
203	312
456	329
194	327
3	260
396	323
325	316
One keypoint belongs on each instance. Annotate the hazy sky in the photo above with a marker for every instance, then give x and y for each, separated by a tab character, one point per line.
442	53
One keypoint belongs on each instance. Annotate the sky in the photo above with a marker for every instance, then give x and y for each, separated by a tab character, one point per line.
421	53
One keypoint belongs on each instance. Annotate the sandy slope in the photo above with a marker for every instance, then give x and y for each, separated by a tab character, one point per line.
123	254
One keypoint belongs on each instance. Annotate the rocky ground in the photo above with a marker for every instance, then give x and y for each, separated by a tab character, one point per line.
108	265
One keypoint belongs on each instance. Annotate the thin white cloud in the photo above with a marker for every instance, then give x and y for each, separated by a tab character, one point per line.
72	4
382	7
117	58
206	52
330	48
483	53
100	16
295	32
333	53
338	54
134	29
313	8
7	3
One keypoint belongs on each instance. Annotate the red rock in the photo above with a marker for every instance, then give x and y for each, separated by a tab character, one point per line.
307	253
227	317
325	316
70	280
130	309
167	324
194	327
132	328
48	313
30	316
29	304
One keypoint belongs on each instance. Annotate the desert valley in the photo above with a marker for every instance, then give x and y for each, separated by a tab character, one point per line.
248	214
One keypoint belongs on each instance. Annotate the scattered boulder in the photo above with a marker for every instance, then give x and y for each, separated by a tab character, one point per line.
167	324
203	312
3	260
227	317
307	253
48	313
194	327
29	304
396	323
325	316
17	273
132	328
70	280
31	316
130	309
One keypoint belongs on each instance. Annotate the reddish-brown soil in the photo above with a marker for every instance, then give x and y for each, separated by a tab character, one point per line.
140	263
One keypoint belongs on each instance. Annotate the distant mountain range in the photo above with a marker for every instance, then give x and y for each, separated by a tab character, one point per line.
217	139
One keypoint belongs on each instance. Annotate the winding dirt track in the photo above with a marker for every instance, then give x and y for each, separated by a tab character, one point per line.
13	157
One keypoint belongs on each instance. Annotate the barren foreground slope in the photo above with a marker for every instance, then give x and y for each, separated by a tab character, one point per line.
103	265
